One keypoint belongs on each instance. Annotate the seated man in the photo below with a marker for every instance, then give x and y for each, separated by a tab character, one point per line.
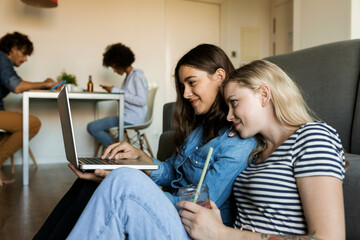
14	49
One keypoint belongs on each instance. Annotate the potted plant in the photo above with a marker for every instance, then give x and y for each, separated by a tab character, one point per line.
70	81
69	78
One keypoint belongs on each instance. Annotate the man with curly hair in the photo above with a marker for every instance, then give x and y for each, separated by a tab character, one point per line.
14	50
135	87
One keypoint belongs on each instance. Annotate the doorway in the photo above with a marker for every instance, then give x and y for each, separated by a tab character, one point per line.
281	26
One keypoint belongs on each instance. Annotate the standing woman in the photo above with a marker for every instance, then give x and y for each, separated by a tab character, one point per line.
130	197
292	188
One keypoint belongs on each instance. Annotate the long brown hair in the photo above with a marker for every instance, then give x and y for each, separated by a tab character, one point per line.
208	58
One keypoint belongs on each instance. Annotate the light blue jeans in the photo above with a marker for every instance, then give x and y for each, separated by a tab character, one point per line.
129	204
97	129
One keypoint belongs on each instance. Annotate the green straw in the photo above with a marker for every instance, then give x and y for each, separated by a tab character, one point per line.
203	174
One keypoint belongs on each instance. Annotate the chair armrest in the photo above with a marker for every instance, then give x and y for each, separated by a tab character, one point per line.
166	146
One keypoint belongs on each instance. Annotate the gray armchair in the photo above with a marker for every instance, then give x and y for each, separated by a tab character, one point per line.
166	146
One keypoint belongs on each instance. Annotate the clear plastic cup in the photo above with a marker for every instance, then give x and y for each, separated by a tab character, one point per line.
187	193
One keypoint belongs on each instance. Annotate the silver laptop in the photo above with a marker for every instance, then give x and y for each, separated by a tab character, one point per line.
87	164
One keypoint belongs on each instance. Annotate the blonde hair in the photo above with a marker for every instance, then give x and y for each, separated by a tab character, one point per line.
289	106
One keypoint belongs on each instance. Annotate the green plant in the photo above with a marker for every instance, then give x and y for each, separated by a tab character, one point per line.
69	78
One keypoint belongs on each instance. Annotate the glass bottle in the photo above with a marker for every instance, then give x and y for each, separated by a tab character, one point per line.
90	85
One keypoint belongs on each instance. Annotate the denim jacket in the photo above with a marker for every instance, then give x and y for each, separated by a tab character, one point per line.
229	158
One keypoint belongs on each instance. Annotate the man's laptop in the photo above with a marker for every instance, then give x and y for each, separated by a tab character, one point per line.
70	147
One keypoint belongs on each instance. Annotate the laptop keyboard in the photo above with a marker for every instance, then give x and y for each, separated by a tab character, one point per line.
96	161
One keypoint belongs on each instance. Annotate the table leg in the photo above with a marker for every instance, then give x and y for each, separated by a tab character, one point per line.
25	112
121	118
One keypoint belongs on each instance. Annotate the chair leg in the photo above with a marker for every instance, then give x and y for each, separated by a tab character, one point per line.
147	144
97	150
126	137
138	135
12	164
33	158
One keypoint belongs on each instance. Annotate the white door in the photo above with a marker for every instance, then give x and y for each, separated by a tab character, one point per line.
282	26
188	23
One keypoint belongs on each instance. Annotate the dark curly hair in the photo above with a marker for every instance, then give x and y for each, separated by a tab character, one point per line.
208	58
118	55
18	40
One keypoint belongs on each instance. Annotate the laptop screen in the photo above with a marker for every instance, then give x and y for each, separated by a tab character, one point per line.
67	126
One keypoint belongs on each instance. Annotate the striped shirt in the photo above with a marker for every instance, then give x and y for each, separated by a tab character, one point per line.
266	193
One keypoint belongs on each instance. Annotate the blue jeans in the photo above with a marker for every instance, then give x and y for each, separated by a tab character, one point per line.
97	129
129	204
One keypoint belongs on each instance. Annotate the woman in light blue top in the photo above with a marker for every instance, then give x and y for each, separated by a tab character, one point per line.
135	88
128	203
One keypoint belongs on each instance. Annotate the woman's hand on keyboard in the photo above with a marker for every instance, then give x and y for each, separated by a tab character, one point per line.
124	150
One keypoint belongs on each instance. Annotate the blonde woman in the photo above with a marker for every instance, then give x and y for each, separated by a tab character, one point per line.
292	188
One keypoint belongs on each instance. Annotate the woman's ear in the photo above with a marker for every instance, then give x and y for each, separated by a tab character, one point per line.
265	94
219	76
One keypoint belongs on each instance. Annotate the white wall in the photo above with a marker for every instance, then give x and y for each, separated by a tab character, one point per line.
355	19
201	25
321	21
245	13
72	37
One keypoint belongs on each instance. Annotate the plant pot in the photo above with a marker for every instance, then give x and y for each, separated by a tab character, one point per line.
72	88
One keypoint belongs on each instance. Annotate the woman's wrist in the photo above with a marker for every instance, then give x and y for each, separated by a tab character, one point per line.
146	158
225	233
228	233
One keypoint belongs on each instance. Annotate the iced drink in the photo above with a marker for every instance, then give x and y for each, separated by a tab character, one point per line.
188	193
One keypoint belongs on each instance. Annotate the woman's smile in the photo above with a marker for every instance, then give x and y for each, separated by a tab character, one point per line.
194	101
236	125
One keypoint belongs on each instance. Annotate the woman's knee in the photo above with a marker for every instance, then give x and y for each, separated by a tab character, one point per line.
126	173
126	176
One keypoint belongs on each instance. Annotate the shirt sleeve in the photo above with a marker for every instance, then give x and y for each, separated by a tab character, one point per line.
318	152
136	90
117	90
166	172
165	175
8	76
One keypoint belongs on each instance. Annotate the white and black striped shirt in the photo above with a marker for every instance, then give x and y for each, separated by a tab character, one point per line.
266	193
